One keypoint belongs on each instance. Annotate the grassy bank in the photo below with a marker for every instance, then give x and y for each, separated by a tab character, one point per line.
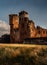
23	54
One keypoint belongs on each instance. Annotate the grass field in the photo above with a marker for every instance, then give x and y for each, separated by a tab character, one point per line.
22	54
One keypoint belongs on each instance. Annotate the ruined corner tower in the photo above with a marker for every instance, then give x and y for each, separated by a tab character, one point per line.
23	25
14	26
32	29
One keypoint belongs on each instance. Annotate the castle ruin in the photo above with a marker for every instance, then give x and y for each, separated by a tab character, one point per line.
21	28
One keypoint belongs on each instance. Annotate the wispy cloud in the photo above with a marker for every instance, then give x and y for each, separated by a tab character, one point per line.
4	28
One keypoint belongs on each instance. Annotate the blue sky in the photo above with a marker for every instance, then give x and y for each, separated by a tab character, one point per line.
37	10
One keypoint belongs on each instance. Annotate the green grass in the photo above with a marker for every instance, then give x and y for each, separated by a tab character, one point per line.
23	55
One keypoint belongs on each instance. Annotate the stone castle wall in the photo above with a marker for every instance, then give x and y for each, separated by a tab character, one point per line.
14	27
21	28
